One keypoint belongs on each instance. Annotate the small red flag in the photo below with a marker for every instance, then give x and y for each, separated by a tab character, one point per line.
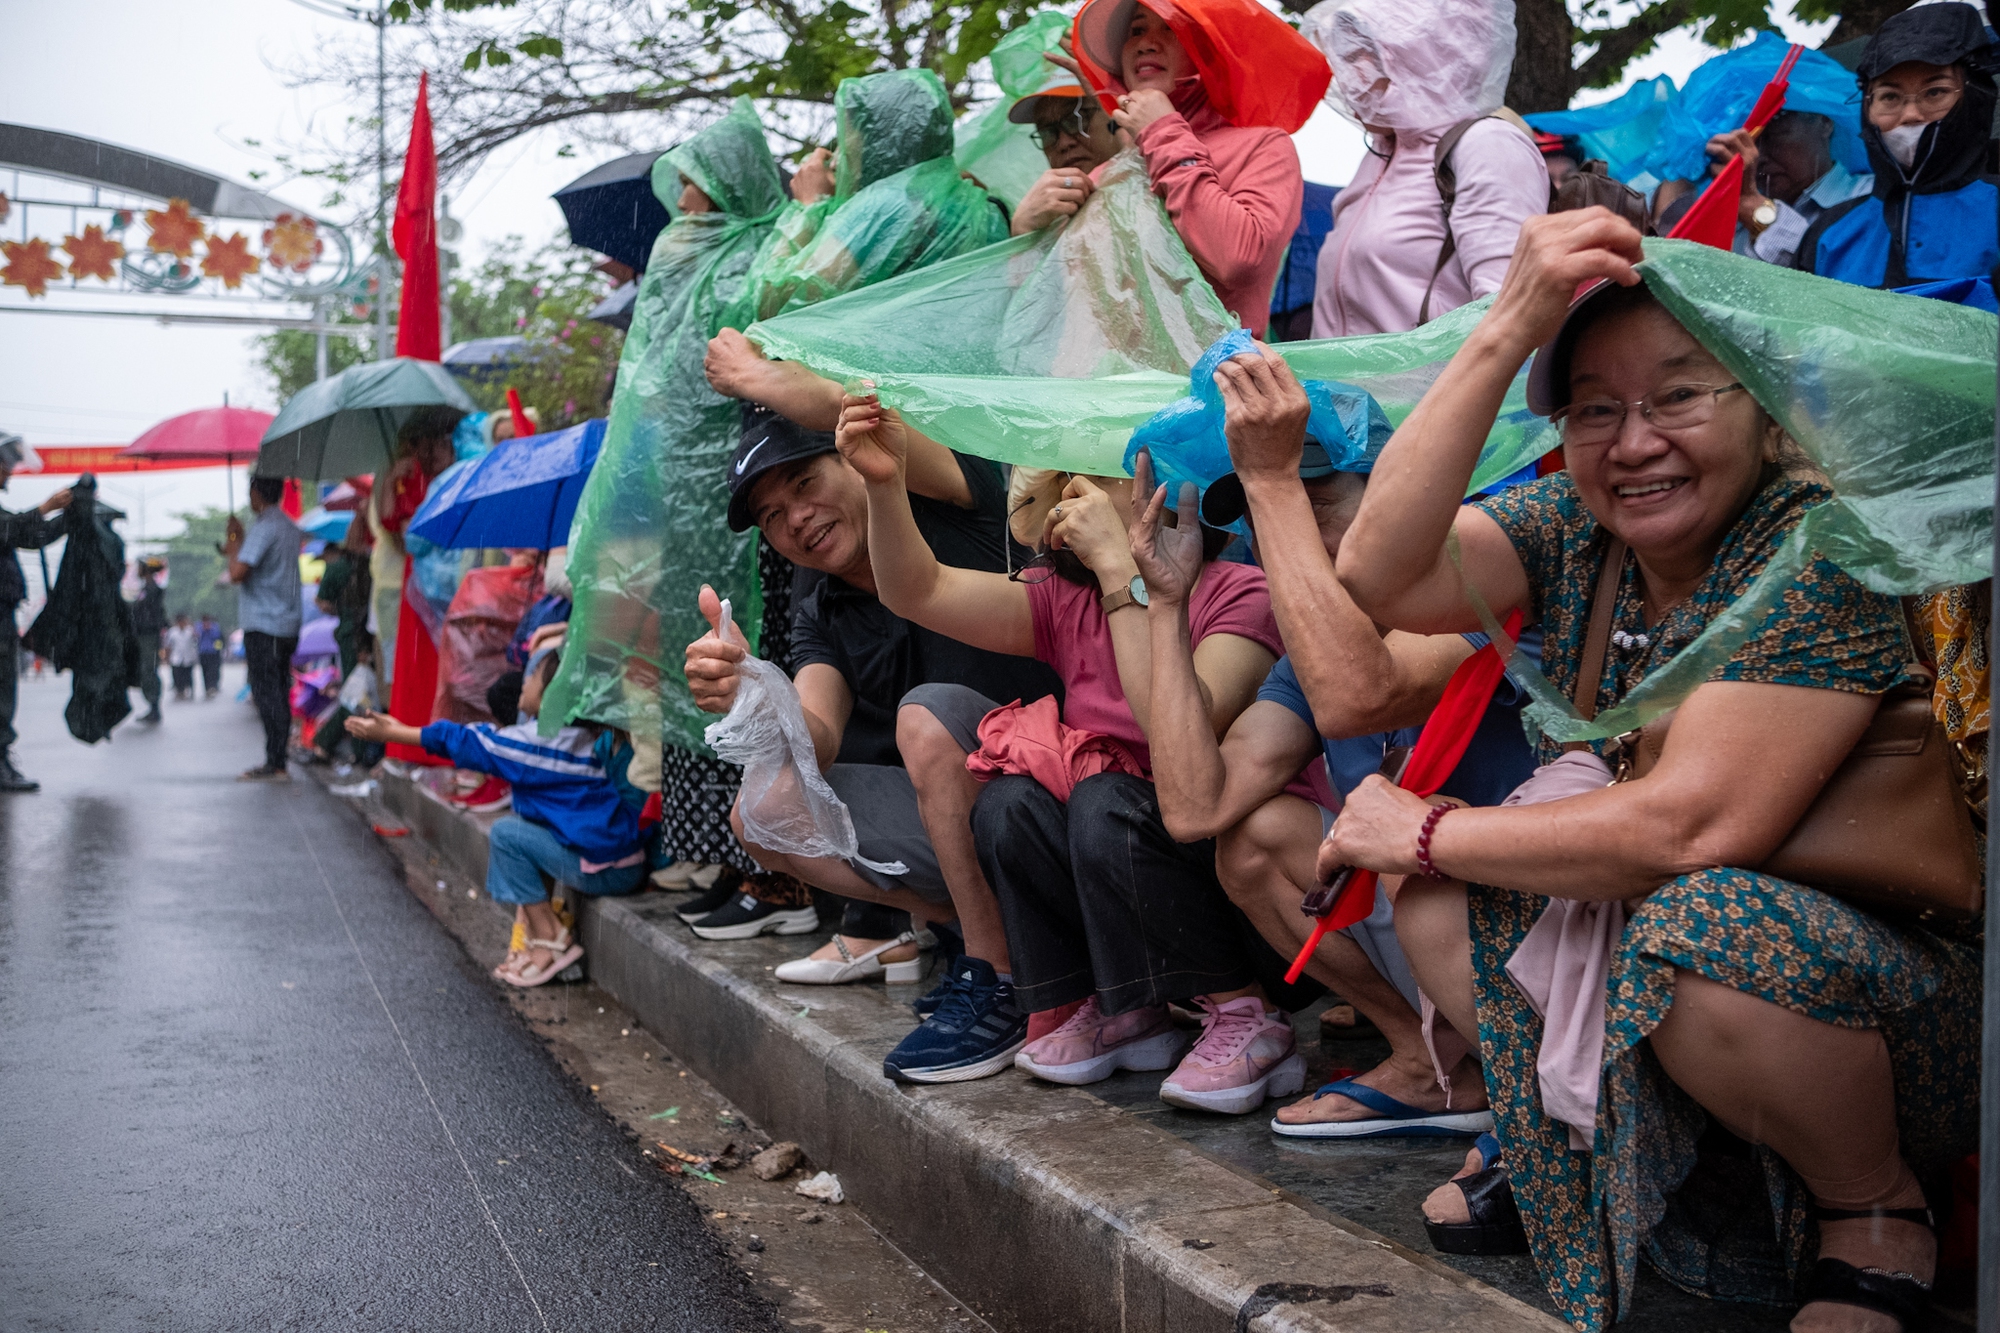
1712	219
418	326
1446	735
524	425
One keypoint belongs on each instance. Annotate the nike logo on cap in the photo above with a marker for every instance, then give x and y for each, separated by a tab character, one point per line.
744	461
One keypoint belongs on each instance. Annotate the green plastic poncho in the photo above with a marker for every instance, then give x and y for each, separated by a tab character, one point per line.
1892	396
655	502
998	153
1108	291
898	203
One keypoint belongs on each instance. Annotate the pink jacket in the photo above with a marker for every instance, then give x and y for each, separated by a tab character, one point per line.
1388	229
1233	193
1034	742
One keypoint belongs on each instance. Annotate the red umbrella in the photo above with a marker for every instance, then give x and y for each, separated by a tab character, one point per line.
1442	744
211	435
214	434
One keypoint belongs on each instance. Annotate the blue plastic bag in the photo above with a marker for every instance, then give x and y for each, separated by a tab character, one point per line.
1186	437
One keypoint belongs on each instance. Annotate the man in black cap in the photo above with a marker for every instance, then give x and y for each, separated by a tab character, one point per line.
854	660
29	530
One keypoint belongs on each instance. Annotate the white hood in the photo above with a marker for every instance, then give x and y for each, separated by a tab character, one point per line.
1410	65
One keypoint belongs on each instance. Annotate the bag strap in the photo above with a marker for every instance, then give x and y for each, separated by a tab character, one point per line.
1597	640
1446	178
1447	188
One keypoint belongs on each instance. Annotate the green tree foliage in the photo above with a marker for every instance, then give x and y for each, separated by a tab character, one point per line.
568	362
194	565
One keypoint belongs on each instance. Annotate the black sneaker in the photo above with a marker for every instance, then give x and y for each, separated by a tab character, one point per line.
746	916
727	885
977	1031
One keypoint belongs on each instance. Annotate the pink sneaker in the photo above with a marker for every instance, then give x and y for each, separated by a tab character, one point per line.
1090	1046
1244	1055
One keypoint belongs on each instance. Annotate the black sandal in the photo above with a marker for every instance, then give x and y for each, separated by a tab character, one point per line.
1495	1228
1898	1295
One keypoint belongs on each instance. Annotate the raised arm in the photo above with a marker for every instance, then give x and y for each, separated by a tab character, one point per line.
1357	680
713	676
1393	560
974	606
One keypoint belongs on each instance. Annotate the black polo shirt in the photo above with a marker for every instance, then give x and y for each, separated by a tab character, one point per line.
882	656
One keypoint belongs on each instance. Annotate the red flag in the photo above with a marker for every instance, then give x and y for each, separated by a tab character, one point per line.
1712	219
524	425
1447	733
418	332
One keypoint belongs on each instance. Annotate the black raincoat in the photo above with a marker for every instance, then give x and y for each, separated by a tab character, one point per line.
86	628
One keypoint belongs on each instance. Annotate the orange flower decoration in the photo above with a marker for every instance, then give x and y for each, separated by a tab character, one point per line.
29	265
175	229
230	260
93	254
6	205
292	242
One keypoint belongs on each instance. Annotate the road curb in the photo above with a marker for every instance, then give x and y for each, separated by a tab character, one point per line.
1043	1207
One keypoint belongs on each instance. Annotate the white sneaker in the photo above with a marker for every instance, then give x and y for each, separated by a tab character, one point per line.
676	877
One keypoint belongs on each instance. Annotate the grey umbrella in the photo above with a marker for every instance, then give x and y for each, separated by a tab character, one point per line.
346	425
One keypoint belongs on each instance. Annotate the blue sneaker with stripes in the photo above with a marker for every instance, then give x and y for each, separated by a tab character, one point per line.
976	1031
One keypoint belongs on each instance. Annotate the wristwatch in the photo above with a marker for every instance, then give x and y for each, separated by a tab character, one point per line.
1762	217
1133	594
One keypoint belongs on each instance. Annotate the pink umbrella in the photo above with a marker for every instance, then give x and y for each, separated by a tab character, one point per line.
213	434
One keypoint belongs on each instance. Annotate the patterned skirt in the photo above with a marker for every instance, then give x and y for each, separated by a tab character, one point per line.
697	790
1714	1223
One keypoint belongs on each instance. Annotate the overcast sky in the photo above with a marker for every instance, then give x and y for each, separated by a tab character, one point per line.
195	88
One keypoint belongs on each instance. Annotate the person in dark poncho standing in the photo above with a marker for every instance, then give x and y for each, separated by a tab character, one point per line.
149	619
29	530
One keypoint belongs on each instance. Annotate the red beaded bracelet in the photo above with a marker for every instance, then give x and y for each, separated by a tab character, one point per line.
1424	862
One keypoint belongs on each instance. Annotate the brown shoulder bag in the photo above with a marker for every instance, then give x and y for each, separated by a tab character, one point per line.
1889	831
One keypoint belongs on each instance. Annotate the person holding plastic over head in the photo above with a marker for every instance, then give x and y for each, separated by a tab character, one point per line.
1424	78
652	520
1076	137
861	675
1210	91
1632	981
1927	122
1107	914
1344	691
890	199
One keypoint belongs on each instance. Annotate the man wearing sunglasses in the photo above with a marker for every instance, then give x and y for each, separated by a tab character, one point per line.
1077	138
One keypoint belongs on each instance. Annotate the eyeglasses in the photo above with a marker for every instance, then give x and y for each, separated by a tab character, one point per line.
1931	103
1076	124
1676	407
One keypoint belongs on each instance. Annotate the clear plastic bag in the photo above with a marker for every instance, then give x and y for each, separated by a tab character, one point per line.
785	804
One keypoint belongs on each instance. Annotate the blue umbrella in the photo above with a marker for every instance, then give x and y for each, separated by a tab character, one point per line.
523	494
327	525
611	209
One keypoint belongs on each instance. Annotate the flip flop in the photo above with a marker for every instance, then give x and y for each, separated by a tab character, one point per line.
1397	1119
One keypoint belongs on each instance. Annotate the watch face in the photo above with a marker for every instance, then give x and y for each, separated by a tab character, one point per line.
1766	215
1138	587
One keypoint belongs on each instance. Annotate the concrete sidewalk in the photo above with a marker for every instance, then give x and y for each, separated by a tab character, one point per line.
1061	1208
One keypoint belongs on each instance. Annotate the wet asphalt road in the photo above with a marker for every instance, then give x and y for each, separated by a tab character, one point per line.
247	1082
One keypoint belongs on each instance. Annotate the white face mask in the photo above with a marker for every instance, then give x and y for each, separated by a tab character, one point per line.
1902	142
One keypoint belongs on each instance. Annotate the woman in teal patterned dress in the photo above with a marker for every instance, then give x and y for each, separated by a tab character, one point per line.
1838	1050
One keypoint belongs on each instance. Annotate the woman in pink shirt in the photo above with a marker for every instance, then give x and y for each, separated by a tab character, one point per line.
1106	915
1221	160
1407	71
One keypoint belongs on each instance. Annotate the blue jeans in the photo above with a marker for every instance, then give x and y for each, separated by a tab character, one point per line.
521	852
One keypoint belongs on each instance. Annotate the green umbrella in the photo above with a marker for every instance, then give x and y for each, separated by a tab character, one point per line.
346	425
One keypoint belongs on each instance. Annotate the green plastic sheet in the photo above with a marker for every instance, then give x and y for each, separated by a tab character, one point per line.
1049	350
1892	396
998	153
655	507
899	202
